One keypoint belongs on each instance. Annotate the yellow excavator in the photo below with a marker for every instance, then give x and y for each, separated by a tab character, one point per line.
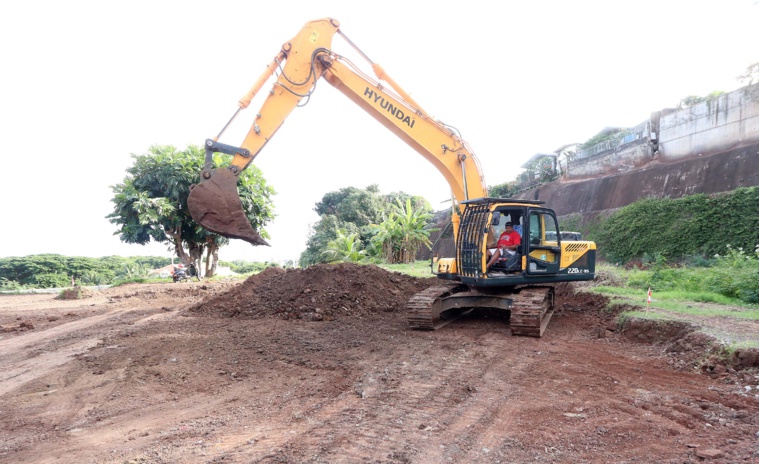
521	285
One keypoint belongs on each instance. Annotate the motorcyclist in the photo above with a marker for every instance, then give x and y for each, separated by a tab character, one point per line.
179	273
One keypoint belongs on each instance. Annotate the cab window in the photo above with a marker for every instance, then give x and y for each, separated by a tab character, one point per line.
543	229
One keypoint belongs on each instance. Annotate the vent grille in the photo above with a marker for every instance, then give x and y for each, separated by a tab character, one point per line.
576	247
471	233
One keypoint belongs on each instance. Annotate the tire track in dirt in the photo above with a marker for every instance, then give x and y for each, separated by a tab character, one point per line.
17	366
396	402
476	425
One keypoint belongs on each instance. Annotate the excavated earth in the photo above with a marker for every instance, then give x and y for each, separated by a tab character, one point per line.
317	365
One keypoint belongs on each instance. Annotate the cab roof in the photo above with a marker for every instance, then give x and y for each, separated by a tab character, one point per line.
489	200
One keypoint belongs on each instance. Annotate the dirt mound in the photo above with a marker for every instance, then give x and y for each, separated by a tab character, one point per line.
75	293
321	292
568	298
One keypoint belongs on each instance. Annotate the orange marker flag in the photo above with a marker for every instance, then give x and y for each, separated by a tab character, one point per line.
649	296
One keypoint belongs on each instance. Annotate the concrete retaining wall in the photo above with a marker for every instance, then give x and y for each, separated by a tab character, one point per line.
722	172
669	136
613	162
720	124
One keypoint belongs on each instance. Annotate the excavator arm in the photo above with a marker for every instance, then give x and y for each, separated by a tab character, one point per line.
215	204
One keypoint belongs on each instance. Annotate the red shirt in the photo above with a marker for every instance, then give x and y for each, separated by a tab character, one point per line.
509	239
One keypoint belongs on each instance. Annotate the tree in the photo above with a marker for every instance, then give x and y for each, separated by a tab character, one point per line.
354	211
350	209
25	271
750	75
346	248
322	233
505	190
151	203
350	204
401	236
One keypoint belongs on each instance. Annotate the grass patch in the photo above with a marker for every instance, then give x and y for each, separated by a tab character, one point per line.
743	345
645	315
415	269
140	280
683	302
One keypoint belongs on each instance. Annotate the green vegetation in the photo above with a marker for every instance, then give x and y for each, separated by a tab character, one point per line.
729	281
366	226
505	190
151	203
691	100
750	75
56	271
414	269
400	237
345	247
603	136
680	301
53	271
247	267
678	229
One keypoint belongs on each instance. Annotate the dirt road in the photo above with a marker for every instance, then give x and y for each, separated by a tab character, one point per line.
318	366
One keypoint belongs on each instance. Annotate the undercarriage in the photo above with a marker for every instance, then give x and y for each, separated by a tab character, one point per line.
530	307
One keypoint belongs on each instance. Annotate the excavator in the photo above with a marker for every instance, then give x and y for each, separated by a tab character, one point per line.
523	287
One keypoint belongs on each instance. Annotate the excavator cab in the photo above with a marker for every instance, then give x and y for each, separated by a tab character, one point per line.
540	252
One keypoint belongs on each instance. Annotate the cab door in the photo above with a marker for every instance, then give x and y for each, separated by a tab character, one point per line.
541	242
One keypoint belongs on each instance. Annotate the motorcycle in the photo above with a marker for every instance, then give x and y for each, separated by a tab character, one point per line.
179	274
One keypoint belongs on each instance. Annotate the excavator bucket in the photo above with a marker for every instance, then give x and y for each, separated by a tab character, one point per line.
215	204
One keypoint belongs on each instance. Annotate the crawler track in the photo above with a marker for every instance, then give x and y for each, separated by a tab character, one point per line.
425	308
531	307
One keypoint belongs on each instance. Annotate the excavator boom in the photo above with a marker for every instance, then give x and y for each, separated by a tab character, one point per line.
214	202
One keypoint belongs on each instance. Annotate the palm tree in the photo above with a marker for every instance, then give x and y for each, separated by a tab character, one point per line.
402	234
346	247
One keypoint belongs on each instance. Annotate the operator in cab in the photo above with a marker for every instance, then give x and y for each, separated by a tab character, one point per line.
506	247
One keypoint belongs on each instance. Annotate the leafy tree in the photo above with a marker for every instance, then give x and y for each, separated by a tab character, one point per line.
360	207
353	211
92	278
403	233
417	202
25	271
6	284
133	271
505	190
322	233
750	75
345	247
52	280
151	203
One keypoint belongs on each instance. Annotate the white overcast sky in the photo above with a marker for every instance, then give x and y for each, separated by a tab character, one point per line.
85	84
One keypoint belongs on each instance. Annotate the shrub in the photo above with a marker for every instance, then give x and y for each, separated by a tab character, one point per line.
9	285
52	280
737	275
